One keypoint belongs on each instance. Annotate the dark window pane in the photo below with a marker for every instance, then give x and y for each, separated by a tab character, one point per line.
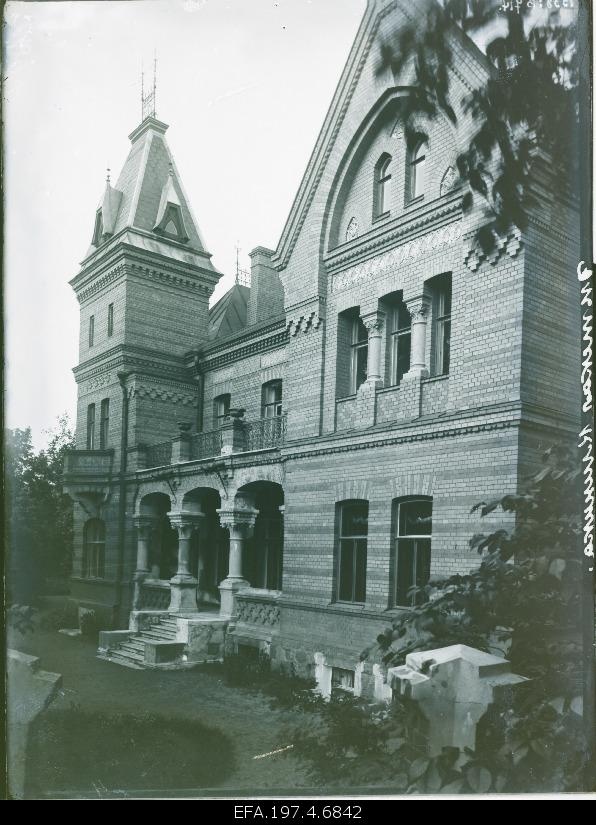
402	317
361	365
346	561
360	571
359	332
405	570
354	520
422	562
415	518
403	356
446	346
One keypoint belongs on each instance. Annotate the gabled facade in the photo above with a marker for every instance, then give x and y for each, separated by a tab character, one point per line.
277	472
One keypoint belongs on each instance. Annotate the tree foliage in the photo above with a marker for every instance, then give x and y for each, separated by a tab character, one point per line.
526	112
38	514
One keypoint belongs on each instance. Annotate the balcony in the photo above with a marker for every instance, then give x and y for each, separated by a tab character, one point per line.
234	436
87	472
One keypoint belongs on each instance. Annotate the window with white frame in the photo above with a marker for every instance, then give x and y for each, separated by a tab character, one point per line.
351	551
271	405
441	333
221	408
400	342
416	165
104	423
91	427
412	518
382	182
358	354
94	547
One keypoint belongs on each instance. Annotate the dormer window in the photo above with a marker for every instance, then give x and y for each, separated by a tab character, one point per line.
382	182
172	224
415	172
98	229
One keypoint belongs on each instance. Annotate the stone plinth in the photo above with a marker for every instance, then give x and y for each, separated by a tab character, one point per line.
454	687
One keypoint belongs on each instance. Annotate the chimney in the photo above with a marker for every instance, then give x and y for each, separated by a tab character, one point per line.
266	292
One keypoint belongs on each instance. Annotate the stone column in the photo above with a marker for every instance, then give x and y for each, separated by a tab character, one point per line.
240	524
374	323
410	389
366	397
183	585
419	310
144	525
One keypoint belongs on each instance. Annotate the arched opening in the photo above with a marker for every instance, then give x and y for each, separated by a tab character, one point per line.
163	541
263	563
210	544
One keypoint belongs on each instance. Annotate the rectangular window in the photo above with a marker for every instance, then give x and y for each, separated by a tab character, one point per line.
91	427
400	343
110	320
342	679
359	355
351	563
271	399
104	423
442	326
221	408
413	529
91	330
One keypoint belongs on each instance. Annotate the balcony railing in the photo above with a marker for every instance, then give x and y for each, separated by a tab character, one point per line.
155	595
159	455
258	608
205	445
265	433
241	436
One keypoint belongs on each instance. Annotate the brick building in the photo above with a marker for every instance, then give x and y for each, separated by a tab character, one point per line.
279	470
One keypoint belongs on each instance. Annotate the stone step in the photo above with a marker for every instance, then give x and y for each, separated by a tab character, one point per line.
134	646
153	636
124	659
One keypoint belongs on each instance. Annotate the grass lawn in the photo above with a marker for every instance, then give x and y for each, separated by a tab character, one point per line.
113	731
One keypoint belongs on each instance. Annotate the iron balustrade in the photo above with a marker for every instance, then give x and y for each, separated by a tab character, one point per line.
265	433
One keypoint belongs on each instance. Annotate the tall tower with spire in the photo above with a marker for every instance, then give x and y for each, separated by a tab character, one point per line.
143	289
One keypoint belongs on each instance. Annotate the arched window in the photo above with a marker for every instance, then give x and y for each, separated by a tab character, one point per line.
381	186
415	172
412	531
94	549
351	551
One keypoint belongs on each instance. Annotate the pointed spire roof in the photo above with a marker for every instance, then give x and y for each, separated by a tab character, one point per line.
149	196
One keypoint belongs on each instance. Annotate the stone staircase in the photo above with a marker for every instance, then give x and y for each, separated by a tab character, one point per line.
130	652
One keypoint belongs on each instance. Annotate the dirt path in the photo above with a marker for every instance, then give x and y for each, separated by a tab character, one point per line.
243	716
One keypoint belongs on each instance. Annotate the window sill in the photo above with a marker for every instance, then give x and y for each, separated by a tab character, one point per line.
383	216
414	202
431	378
346	398
351	606
390	388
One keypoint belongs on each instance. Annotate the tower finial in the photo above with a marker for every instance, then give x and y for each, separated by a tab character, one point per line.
148	100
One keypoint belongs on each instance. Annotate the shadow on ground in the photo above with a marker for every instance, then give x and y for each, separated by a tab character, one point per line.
81	751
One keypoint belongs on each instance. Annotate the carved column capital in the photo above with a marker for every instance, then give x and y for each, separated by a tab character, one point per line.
239	522
374	322
418	308
145	524
185	523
